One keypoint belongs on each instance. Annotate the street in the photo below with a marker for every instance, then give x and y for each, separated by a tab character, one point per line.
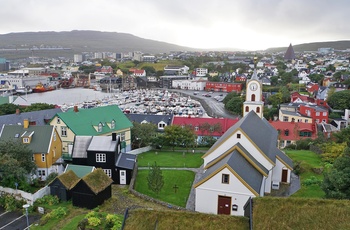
15	220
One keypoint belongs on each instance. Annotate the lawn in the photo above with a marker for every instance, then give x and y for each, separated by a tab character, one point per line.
170	159
181	178
311	176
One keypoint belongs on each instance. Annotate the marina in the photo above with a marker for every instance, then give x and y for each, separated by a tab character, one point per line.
142	101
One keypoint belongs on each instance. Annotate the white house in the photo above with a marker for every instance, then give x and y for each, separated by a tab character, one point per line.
245	162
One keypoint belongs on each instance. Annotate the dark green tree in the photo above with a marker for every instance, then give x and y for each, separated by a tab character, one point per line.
8	108
142	134
155	179
38	107
235	105
150	70
15	163
339	100
343	136
176	135
336	183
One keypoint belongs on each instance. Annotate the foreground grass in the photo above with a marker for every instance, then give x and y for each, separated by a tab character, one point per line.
311	176
181	178
150	219
170	159
300	213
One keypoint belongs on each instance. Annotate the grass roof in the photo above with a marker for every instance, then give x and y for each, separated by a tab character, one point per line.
69	179
97	181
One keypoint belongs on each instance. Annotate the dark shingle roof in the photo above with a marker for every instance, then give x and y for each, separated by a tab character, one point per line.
150	118
40	139
126	161
39	117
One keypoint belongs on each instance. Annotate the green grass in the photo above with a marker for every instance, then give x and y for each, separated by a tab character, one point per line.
300	213
170	159
181	178
311	165
74	222
147	219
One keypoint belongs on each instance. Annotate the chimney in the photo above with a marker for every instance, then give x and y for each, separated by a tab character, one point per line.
26	123
76	109
114	137
18	112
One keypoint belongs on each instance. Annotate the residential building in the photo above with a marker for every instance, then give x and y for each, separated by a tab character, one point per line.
43	140
161	121
99	121
223	87
175	70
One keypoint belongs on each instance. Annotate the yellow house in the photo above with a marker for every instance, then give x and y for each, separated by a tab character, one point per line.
289	116
43	140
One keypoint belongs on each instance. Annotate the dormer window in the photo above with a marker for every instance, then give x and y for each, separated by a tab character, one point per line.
286	132
113	124
26	140
99	127
161	125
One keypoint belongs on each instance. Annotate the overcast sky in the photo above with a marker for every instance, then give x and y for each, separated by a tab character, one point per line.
244	24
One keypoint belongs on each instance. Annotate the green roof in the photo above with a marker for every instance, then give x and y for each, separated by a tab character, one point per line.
97	181
83	121
80	170
40	136
68	179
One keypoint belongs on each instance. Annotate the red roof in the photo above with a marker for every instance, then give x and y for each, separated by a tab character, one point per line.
225	123
294	128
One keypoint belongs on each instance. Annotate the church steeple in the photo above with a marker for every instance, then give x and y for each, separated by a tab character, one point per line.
254	95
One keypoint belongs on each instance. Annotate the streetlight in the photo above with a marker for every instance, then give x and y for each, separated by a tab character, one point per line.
26	206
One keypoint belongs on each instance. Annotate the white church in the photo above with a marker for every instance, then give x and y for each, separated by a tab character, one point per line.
244	163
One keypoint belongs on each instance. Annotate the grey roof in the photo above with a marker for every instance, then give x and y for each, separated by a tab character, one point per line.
255	75
250	157
102	143
150	118
285	158
258	130
242	167
39	117
286	112
81	144
126	161
40	138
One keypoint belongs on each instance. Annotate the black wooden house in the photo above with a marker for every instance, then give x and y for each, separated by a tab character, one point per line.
62	185
92	190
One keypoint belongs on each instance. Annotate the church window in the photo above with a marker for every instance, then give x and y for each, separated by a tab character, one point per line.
247	108
238	136
253	97
258	109
225	179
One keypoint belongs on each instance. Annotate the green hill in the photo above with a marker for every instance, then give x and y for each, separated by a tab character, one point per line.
337	45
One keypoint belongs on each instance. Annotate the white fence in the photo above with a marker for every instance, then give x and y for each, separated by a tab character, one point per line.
140	150
30	198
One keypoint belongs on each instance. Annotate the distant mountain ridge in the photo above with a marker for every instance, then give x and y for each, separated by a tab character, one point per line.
314	46
88	41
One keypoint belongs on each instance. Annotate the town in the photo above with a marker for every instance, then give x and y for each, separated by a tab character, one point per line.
217	133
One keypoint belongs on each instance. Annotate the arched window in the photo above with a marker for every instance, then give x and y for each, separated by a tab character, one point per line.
247	108
257	109
253	97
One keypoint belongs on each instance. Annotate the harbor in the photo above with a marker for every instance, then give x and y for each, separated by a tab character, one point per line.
141	101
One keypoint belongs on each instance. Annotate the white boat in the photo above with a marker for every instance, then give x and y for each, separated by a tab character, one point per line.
23	90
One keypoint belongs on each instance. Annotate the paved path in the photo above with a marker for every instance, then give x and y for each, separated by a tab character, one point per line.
192	197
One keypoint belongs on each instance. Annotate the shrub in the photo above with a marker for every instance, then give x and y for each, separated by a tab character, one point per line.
48	199
311	181
113	221
50	177
94	221
10	203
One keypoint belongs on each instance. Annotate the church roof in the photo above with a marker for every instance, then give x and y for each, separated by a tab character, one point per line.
289	55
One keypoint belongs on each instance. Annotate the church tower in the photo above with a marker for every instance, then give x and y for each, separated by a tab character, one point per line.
253	99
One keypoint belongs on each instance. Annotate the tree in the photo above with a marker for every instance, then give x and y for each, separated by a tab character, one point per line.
150	70
155	178
142	134
15	163
235	105
176	135
8	108
336	183
339	100
38	107
343	136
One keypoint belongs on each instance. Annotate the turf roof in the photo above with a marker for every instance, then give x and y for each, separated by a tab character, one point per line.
97	181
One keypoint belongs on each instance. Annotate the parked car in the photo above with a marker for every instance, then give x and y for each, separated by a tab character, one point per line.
195	93
207	95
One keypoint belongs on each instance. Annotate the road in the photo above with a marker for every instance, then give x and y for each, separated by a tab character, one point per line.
15	220
212	107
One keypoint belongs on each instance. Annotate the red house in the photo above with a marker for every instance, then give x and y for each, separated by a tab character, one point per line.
223	87
296	97
312	87
290	132
317	113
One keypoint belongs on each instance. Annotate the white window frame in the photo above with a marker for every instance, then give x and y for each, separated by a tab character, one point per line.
63	131
26	140
58	120
108	172
113	124
122	136
99	128
43	157
100	158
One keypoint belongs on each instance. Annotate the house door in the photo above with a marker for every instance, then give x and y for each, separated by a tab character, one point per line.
224	205
284	175
122	176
